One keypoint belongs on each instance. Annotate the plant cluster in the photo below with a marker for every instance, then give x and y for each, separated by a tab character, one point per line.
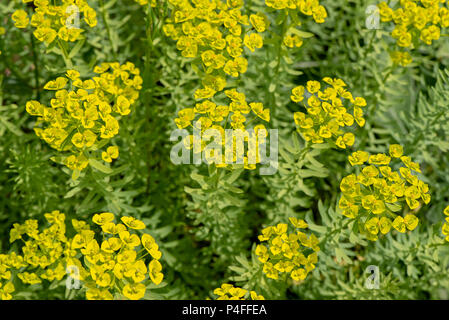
343	108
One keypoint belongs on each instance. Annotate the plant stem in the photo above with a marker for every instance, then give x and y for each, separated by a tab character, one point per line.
335	231
36	67
304	151
148	83
65	55
108	30
279	60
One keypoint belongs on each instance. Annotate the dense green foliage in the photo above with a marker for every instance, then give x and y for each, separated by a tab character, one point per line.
206	221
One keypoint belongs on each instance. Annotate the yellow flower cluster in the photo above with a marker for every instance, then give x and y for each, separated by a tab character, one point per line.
112	266
43	254
145	2
212	32
53	21
229	292
292	253
374	195
82	118
307	7
117	262
292	41
6	290
215	117
414	21
445	228
401	58
327	111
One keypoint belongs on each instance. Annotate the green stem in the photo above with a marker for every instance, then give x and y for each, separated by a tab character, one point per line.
65	55
248	6
335	231
251	121
148	84
36	67
108	30
143	256
387	75
279	51
428	125
278	59
304	151
370	44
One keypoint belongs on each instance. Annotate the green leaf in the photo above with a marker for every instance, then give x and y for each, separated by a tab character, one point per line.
99	166
200	179
11	127
233	189
76	48
394	207
302	34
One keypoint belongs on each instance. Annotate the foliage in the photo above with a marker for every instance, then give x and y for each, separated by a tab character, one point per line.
205	218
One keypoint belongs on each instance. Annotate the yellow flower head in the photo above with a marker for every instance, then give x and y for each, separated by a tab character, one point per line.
308	8
20	18
230	292
293	253
414	22
82	119
327	112
133	223
375	197
62	20
103	218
